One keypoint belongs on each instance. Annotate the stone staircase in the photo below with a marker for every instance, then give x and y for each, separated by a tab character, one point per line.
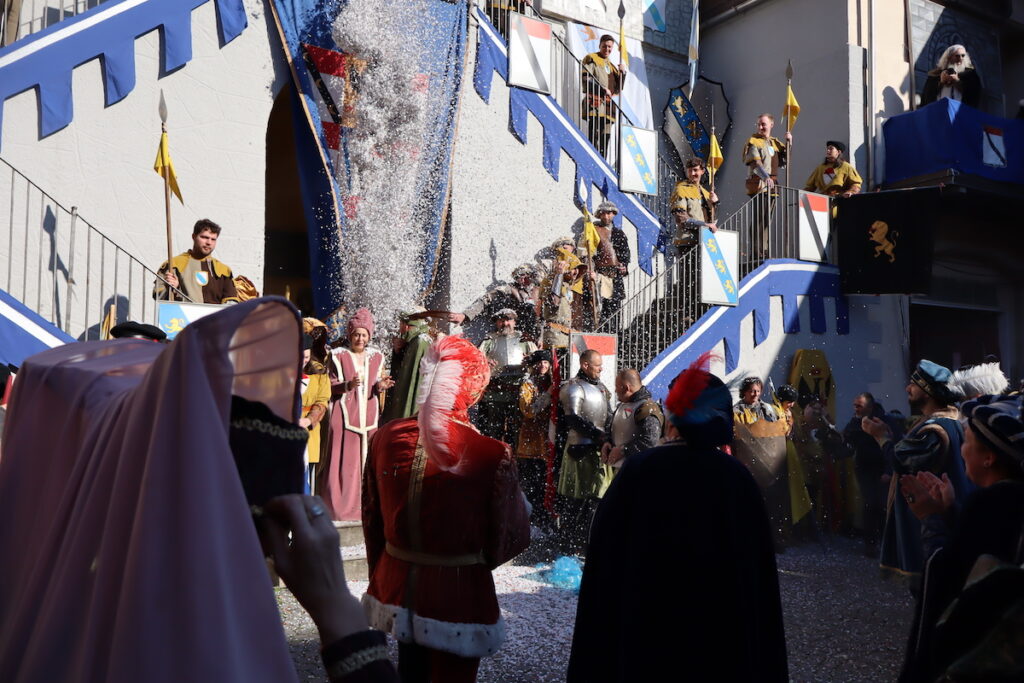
353	550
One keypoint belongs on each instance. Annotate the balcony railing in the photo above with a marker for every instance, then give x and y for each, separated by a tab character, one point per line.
667	304
63	268
22	18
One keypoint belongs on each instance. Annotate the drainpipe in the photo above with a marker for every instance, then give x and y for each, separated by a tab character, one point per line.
909	29
729	13
871	94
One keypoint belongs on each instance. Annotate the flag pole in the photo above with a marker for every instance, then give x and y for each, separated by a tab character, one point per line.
167	188
789	116
623	56
711	171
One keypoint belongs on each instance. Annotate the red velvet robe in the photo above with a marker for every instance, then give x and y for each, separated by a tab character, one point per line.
479	508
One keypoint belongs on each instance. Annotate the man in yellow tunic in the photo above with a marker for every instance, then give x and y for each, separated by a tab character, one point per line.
316	394
835	176
601	80
195	273
700	202
764	155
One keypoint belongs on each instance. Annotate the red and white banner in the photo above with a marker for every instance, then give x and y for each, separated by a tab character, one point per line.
993	149
814	227
529	53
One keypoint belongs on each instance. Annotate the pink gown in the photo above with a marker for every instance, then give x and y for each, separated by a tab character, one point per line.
354	418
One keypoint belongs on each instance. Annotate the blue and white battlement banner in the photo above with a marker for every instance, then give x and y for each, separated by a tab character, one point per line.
719	264
637	162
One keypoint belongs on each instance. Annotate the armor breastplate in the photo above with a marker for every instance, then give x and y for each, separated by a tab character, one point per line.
589	402
506	351
624	423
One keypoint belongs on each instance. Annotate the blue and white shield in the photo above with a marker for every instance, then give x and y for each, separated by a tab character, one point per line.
202	278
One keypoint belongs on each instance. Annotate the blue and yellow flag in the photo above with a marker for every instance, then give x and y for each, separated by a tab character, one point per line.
683	126
165	167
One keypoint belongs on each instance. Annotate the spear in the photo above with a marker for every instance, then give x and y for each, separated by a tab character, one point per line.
789	115
167	187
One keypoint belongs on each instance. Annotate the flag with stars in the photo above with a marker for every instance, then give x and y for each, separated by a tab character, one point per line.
684	128
637	169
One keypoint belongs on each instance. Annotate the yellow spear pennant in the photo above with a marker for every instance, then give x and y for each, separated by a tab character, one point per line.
165	167
715	157
792	109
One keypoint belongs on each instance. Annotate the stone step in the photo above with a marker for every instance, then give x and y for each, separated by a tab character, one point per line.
349	533
354	559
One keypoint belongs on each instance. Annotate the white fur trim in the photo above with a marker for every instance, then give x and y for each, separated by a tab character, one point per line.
464	640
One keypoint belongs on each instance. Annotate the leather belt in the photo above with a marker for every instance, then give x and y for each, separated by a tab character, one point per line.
429	560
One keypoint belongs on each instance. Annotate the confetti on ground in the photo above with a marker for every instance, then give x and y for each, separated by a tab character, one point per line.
843	622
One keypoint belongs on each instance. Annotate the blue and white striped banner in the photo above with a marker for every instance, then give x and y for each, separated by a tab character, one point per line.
654	15
719	260
639	150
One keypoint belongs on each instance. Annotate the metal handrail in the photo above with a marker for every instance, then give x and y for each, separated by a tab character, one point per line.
662	309
30	16
567	91
46	250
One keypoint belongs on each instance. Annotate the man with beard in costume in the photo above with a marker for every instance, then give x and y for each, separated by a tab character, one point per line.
442	508
953	77
931	445
680	579
520	295
506	352
636	423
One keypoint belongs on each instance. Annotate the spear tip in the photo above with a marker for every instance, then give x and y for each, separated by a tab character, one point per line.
163	107
789	69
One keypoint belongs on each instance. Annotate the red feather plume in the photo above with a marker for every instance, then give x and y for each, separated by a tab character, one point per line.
689	385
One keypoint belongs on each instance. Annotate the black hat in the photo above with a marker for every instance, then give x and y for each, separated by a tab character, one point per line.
539	355
134	330
307	342
838	145
787	392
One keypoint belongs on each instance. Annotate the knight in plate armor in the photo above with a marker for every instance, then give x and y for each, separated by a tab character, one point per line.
506	351
637	422
583	478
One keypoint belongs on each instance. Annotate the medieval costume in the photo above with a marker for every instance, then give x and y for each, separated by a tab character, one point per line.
134	555
507	354
316	396
533	447
933	444
601	80
680	578
636	424
834	178
442	508
967	622
204	281
764	156
968	90
557	291
582	478
520	295
696	199
354	418
749	413
405	368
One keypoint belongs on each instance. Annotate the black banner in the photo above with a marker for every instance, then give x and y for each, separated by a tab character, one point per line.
886	241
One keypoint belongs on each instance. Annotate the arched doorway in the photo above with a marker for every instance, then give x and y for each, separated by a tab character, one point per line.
286	244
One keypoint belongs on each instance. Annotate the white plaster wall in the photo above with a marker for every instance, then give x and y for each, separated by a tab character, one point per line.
501	193
102	162
870	358
748	54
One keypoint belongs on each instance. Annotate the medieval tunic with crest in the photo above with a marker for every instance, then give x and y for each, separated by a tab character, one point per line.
697	198
764	157
206	281
599	74
431	545
832	180
354	419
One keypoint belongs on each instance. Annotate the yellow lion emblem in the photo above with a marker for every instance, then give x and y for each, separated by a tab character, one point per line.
879	234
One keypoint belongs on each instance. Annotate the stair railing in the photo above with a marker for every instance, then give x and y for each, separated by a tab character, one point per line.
62	267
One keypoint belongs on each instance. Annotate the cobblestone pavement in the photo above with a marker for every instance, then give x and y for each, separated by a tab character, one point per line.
843	622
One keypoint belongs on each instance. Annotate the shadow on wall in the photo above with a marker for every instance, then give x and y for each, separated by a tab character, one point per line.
118	306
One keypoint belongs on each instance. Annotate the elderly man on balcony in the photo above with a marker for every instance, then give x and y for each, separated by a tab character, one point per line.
953	77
